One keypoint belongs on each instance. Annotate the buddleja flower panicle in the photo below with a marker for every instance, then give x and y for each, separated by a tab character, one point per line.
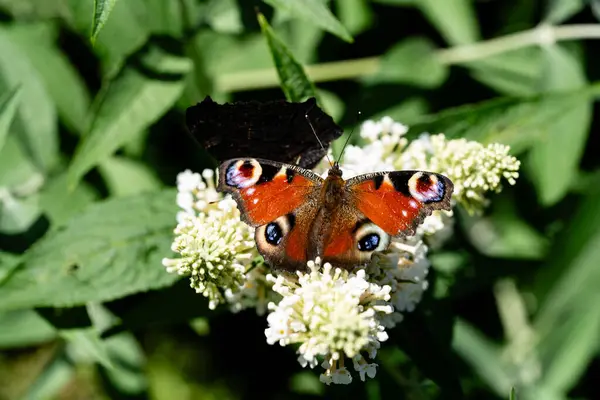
331	313
215	247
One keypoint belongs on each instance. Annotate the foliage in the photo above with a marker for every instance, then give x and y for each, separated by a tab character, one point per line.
92	101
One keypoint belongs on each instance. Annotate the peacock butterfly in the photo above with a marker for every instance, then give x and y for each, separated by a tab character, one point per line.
298	215
277	130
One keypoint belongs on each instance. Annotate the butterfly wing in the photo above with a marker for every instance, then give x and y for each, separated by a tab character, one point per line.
265	190
278	130
399	201
280	200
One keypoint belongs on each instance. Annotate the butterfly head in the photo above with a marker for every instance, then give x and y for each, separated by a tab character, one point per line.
335	171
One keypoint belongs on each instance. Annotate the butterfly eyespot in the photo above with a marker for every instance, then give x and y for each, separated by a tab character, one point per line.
426	187
243	173
273	234
370	237
369	242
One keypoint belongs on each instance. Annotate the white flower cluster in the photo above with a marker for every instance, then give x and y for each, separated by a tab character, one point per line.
216	249
332	315
474	168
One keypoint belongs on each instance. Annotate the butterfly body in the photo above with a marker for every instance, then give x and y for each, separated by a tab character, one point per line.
299	216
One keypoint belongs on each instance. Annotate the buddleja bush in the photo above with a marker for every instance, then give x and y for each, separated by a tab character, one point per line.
123	272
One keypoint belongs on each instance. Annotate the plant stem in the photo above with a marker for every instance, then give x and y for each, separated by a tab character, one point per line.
540	35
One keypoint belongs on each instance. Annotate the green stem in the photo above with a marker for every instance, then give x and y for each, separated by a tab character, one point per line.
540	35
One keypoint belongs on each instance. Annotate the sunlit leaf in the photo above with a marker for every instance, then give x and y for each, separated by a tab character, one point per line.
571	345
316	12
558	11
130	104
103	254
51	381
483	356
35	120
23	328
126	177
355	15
295	84
224	16
517	122
61	79
17	214
126	30
514	73
501	233
102	10
58	203
571	274
413	62
455	19
8	107
554	160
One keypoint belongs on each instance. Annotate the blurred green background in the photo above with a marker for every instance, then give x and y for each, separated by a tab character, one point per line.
92	137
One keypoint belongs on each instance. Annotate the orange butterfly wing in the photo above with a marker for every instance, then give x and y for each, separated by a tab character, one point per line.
265	190
399	201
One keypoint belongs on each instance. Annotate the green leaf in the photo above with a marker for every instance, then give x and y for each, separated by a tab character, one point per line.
514	73
8	108
87	345
8	262
17	214
595	4
559	11
30	10
400	3
295	84
35	122
517	122
572	272
125	32
61	80
23	328
316	12
571	345
167	17
128	372
59	204
554	160
224	16
52	380
455	19
126	177
502	233
484	357
102	10
355	15
130	104
413	62
111	250
568	321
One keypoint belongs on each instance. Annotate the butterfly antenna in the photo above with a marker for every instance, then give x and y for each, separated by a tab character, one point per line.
348	138
318	140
